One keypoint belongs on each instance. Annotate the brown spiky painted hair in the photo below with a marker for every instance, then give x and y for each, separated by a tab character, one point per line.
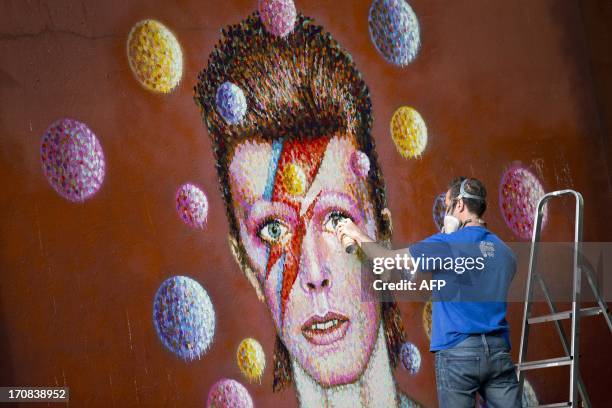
301	86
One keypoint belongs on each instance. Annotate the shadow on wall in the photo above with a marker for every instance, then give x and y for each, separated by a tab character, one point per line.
6	372
583	81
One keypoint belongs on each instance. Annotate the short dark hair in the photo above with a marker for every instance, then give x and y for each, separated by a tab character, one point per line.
472	186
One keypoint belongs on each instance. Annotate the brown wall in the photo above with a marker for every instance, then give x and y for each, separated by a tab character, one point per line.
495	81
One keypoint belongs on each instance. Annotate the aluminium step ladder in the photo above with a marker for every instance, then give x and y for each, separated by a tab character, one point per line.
571	357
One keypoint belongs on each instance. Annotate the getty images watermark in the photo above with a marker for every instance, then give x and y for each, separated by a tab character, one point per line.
409	265
461	272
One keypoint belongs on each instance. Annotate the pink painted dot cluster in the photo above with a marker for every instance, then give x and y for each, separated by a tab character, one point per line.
72	160
519	192
278	16
228	393
192	205
360	163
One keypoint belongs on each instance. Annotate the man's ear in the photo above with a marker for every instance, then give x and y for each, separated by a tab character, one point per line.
244	267
460	205
386	214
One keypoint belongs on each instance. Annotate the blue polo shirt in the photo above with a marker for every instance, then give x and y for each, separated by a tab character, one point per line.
473	301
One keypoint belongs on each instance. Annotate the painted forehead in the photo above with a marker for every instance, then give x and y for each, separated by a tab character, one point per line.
294	170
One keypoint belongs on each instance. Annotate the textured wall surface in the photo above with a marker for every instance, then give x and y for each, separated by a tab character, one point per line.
495	82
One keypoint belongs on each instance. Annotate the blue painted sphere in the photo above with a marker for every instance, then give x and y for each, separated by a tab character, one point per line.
184	317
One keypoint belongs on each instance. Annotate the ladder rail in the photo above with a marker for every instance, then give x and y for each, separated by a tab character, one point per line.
575	340
600	302
575	378
533	256
563	337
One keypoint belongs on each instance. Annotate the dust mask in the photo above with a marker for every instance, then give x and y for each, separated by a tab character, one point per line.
451	224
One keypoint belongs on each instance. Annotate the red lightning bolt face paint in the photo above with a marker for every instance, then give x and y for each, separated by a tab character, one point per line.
306	156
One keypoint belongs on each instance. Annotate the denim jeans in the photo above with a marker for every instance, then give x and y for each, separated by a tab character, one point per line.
480	363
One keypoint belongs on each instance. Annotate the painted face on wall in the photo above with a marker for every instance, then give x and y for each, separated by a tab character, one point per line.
288	198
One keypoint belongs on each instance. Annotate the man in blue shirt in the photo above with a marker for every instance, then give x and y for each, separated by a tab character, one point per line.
470	333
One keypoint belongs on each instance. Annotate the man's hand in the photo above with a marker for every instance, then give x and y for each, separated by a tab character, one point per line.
347	232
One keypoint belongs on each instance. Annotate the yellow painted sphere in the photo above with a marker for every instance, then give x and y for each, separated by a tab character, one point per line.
294	179
155	56
409	132
251	359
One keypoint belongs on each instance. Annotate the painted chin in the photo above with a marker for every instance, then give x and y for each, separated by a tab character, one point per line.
325	330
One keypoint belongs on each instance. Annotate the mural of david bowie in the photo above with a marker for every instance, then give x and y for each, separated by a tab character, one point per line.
300	160
470	339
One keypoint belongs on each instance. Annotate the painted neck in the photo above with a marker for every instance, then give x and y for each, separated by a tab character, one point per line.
376	387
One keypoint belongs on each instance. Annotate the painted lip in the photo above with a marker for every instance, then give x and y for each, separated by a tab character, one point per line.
324	330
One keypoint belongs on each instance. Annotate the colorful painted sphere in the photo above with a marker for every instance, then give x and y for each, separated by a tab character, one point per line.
231	103
439	210
360	163
519	192
410	357
72	159
294	179
251	359
394	30
184	317
409	132
278	16
228	393
192	205
155	56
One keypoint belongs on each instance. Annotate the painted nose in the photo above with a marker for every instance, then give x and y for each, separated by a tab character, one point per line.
314	275
317	285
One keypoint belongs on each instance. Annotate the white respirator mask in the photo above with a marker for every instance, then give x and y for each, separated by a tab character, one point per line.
452	223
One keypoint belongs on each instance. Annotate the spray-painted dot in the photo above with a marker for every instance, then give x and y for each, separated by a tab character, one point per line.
184	317
427	318
294	179
278	16
409	132
231	103
360	163
192	205
155	56
438	210
227	393
394	30
519	192
72	159
410	357
251	359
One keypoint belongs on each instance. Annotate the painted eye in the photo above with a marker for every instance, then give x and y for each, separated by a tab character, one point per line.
333	219
273	232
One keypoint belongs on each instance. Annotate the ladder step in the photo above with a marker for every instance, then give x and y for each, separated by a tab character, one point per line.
551	362
556	404
588	311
